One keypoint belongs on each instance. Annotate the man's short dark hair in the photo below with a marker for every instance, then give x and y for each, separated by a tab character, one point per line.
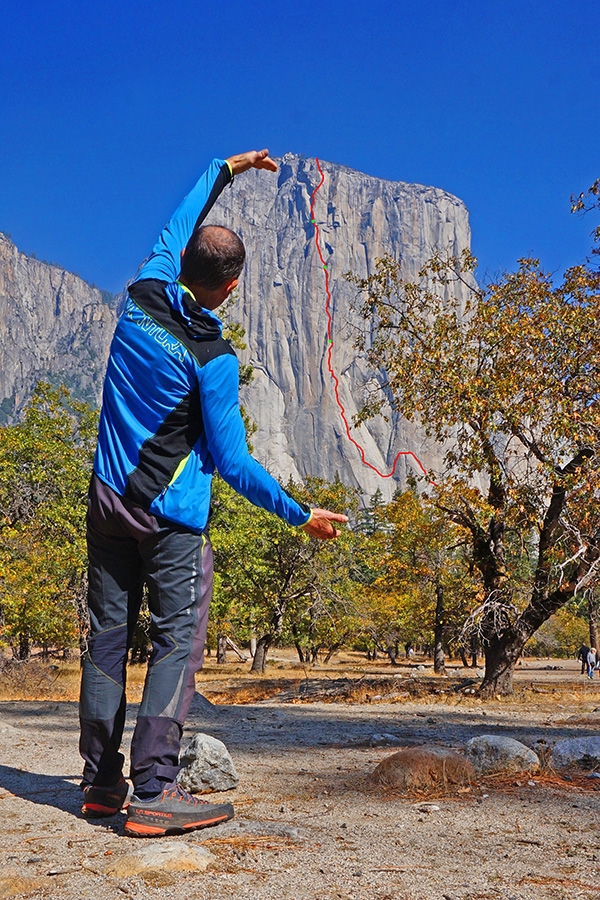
213	256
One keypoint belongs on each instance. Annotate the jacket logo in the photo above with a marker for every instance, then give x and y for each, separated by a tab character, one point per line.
162	337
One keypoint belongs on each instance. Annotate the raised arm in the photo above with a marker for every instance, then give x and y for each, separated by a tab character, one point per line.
164	261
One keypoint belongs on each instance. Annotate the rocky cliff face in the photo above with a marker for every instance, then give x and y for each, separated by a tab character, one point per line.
55	326
282	306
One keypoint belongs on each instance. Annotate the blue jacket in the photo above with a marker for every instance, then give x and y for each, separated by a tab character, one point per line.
170	409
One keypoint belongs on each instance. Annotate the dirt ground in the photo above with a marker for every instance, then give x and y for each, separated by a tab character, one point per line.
308	824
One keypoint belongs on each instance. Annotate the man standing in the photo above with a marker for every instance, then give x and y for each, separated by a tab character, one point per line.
591	662
170	416
582	654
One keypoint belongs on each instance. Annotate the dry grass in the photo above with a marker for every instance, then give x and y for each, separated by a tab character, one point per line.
36	679
570	780
348	678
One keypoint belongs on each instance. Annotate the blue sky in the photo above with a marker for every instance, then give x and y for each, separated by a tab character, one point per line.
109	111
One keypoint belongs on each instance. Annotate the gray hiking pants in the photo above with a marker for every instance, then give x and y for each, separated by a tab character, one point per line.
128	548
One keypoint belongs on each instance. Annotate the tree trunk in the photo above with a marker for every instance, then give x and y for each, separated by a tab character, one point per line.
260	657
300	652
474	652
439	662
391	652
83	616
262	647
221	649
23	649
593	614
303	655
502	640
463	657
501	656
334	649
502	652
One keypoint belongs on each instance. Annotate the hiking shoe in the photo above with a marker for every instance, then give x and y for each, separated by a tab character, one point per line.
173	812
105	801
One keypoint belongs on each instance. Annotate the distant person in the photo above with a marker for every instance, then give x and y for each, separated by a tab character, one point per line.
582	655
170	416
591	662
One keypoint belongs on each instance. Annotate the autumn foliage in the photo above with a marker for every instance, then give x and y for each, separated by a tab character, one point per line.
508	382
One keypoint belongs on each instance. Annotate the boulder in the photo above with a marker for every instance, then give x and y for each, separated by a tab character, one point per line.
161	856
207	766
423	768
491	753
582	751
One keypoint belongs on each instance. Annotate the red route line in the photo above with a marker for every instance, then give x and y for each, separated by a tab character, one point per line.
336	383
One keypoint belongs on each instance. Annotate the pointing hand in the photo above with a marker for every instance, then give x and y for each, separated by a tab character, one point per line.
321	524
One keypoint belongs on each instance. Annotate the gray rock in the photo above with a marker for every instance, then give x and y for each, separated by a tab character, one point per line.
577	750
207	766
54	326
252	828
378	739
282	307
160	856
490	753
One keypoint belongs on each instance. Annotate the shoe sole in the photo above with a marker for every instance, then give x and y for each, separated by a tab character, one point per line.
105	803
139	829
97	811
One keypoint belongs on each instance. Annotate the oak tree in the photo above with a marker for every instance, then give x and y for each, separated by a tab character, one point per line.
508	382
45	466
276	582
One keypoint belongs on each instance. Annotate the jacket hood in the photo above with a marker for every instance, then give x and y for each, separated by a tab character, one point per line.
200	324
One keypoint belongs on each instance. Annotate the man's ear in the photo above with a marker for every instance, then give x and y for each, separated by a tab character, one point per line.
181	255
224	291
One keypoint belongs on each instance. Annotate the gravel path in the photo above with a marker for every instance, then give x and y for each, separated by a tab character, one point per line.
306	825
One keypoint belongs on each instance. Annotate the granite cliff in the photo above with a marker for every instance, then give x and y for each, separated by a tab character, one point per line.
282	307
57	327
53	327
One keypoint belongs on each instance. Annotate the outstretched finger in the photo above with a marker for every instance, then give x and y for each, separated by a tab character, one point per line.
252	159
264	161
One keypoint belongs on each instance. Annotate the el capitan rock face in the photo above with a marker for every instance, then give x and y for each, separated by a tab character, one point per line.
54	325
282	307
